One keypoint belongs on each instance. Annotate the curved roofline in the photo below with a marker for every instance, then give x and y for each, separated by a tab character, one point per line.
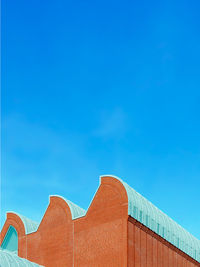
30	226
76	211
110	175
143	211
149	215
100	180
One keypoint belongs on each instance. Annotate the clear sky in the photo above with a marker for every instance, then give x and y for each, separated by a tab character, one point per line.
101	87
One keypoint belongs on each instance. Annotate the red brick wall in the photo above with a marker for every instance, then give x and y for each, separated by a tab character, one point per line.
147	249
14	220
105	237
101	236
52	244
97	239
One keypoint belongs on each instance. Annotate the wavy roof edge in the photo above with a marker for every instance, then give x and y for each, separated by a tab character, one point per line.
149	215
143	211
76	211
29	225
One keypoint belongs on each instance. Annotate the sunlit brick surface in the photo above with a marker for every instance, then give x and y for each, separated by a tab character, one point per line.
105	237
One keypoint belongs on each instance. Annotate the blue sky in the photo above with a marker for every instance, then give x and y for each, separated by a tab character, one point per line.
101	87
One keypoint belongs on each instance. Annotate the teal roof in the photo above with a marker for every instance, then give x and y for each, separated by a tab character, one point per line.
145	212
30	226
10	259
76	211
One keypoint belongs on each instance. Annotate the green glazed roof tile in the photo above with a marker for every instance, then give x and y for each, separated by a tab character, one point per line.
76	211
145	212
30	226
10	259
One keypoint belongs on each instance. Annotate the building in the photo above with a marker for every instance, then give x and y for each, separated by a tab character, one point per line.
120	228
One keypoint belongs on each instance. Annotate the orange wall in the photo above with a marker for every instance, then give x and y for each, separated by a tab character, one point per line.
101	236
147	249
96	240
52	244
105	237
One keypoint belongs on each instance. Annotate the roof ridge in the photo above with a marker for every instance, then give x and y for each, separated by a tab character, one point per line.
76	210
29	225
159	222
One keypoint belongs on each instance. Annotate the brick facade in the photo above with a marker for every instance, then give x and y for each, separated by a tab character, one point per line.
105	237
